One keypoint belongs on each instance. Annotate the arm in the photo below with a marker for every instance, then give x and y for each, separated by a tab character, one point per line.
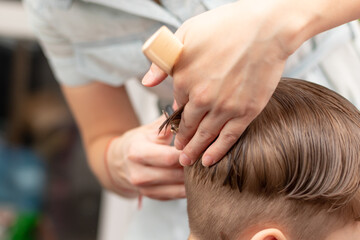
232	61
101	112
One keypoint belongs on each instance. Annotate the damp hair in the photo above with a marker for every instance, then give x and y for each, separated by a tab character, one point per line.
296	165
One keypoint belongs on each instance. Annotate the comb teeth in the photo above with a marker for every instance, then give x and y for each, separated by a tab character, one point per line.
163	49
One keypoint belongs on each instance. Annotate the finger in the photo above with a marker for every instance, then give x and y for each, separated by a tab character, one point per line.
230	133
167	192
175	106
154	76
181	79
155	155
163	137
205	134
142	176
190	120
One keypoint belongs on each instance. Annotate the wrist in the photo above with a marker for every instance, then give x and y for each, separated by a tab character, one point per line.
296	22
125	190
283	24
299	24
300	20
292	22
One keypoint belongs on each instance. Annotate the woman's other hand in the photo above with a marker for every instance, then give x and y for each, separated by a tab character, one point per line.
142	162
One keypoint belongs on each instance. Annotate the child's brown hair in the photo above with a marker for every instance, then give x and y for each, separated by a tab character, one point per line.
297	165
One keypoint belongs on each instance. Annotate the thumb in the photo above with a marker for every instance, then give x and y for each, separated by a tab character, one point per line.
165	136
175	106
154	76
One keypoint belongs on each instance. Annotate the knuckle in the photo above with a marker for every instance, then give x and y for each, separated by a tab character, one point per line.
201	140
230	137
201	97
225	106
206	135
180	81
137	180
133	156
250	109
201	100
179	85
180	134
243	110
133	180
180	139
253	106
186	131
169	161
186	128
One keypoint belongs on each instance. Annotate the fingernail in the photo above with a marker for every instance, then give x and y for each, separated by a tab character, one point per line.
148	78
178	144
156	74
207	161
184	160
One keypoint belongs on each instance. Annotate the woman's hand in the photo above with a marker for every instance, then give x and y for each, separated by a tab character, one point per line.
142	162
231	63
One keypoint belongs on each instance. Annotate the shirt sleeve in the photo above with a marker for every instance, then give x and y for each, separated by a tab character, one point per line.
57	48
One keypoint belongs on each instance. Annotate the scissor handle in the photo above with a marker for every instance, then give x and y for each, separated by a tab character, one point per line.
163	48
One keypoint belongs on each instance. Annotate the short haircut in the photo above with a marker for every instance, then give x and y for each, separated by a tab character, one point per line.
296	165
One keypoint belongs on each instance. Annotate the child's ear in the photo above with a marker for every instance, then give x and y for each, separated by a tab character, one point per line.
269	234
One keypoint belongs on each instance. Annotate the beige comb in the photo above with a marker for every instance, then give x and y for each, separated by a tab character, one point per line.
163	49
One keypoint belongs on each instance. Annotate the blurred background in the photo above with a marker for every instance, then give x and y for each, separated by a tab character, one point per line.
46	188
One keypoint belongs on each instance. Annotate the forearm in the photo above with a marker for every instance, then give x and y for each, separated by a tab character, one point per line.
102	112
336	12
327	14
293	22
96	154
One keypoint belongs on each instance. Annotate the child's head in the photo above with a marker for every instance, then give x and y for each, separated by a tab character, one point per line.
294	174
